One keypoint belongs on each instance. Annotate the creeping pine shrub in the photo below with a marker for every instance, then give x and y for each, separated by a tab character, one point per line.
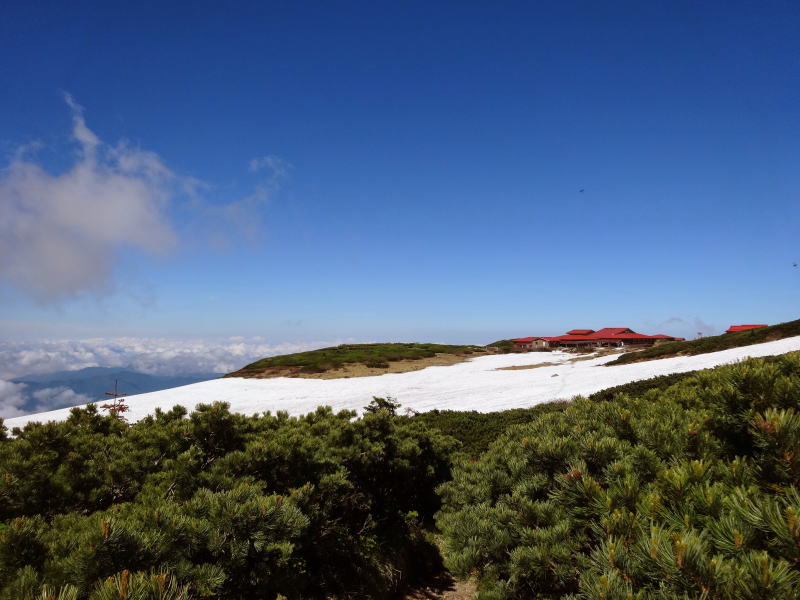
218	505
688	492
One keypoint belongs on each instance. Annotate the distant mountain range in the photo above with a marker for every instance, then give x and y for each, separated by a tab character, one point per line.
94	382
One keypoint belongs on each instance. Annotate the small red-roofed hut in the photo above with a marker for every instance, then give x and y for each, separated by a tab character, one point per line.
530	343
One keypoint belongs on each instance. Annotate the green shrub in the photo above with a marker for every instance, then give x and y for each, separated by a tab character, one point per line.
638	388
688	492
476	431
682	486
219	505
503	346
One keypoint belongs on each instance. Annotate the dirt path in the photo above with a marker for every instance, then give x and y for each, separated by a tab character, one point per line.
447	589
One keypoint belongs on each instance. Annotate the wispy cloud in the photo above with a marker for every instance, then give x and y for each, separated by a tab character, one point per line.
706	328
672	321
243	213
687	326
278	166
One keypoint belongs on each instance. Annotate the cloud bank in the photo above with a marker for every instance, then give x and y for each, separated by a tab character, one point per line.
154	356
145	355
16	400
12	399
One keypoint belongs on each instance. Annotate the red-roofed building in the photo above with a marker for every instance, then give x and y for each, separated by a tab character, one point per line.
530	343
608	336
734	328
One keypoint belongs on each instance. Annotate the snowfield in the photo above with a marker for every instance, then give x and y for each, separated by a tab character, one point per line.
472	385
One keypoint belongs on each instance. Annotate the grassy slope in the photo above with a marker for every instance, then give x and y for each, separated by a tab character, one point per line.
712	344
371	355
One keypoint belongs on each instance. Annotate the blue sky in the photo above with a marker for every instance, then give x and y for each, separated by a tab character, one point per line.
417	173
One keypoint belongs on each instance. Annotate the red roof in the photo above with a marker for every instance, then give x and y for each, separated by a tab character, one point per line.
630	335
607	333
611	332
733	328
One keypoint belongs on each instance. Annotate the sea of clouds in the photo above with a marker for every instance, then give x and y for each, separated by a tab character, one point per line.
154	356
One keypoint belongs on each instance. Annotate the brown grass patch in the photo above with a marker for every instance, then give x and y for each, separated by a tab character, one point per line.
598	354
522	367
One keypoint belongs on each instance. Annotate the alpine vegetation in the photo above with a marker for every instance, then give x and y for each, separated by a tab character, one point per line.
218	505
684	486
688	492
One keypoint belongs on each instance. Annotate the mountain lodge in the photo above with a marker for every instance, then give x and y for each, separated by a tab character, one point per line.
608	336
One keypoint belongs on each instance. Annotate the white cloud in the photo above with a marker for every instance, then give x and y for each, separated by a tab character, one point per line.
12	399
85	136
16	400
57	397
59	233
